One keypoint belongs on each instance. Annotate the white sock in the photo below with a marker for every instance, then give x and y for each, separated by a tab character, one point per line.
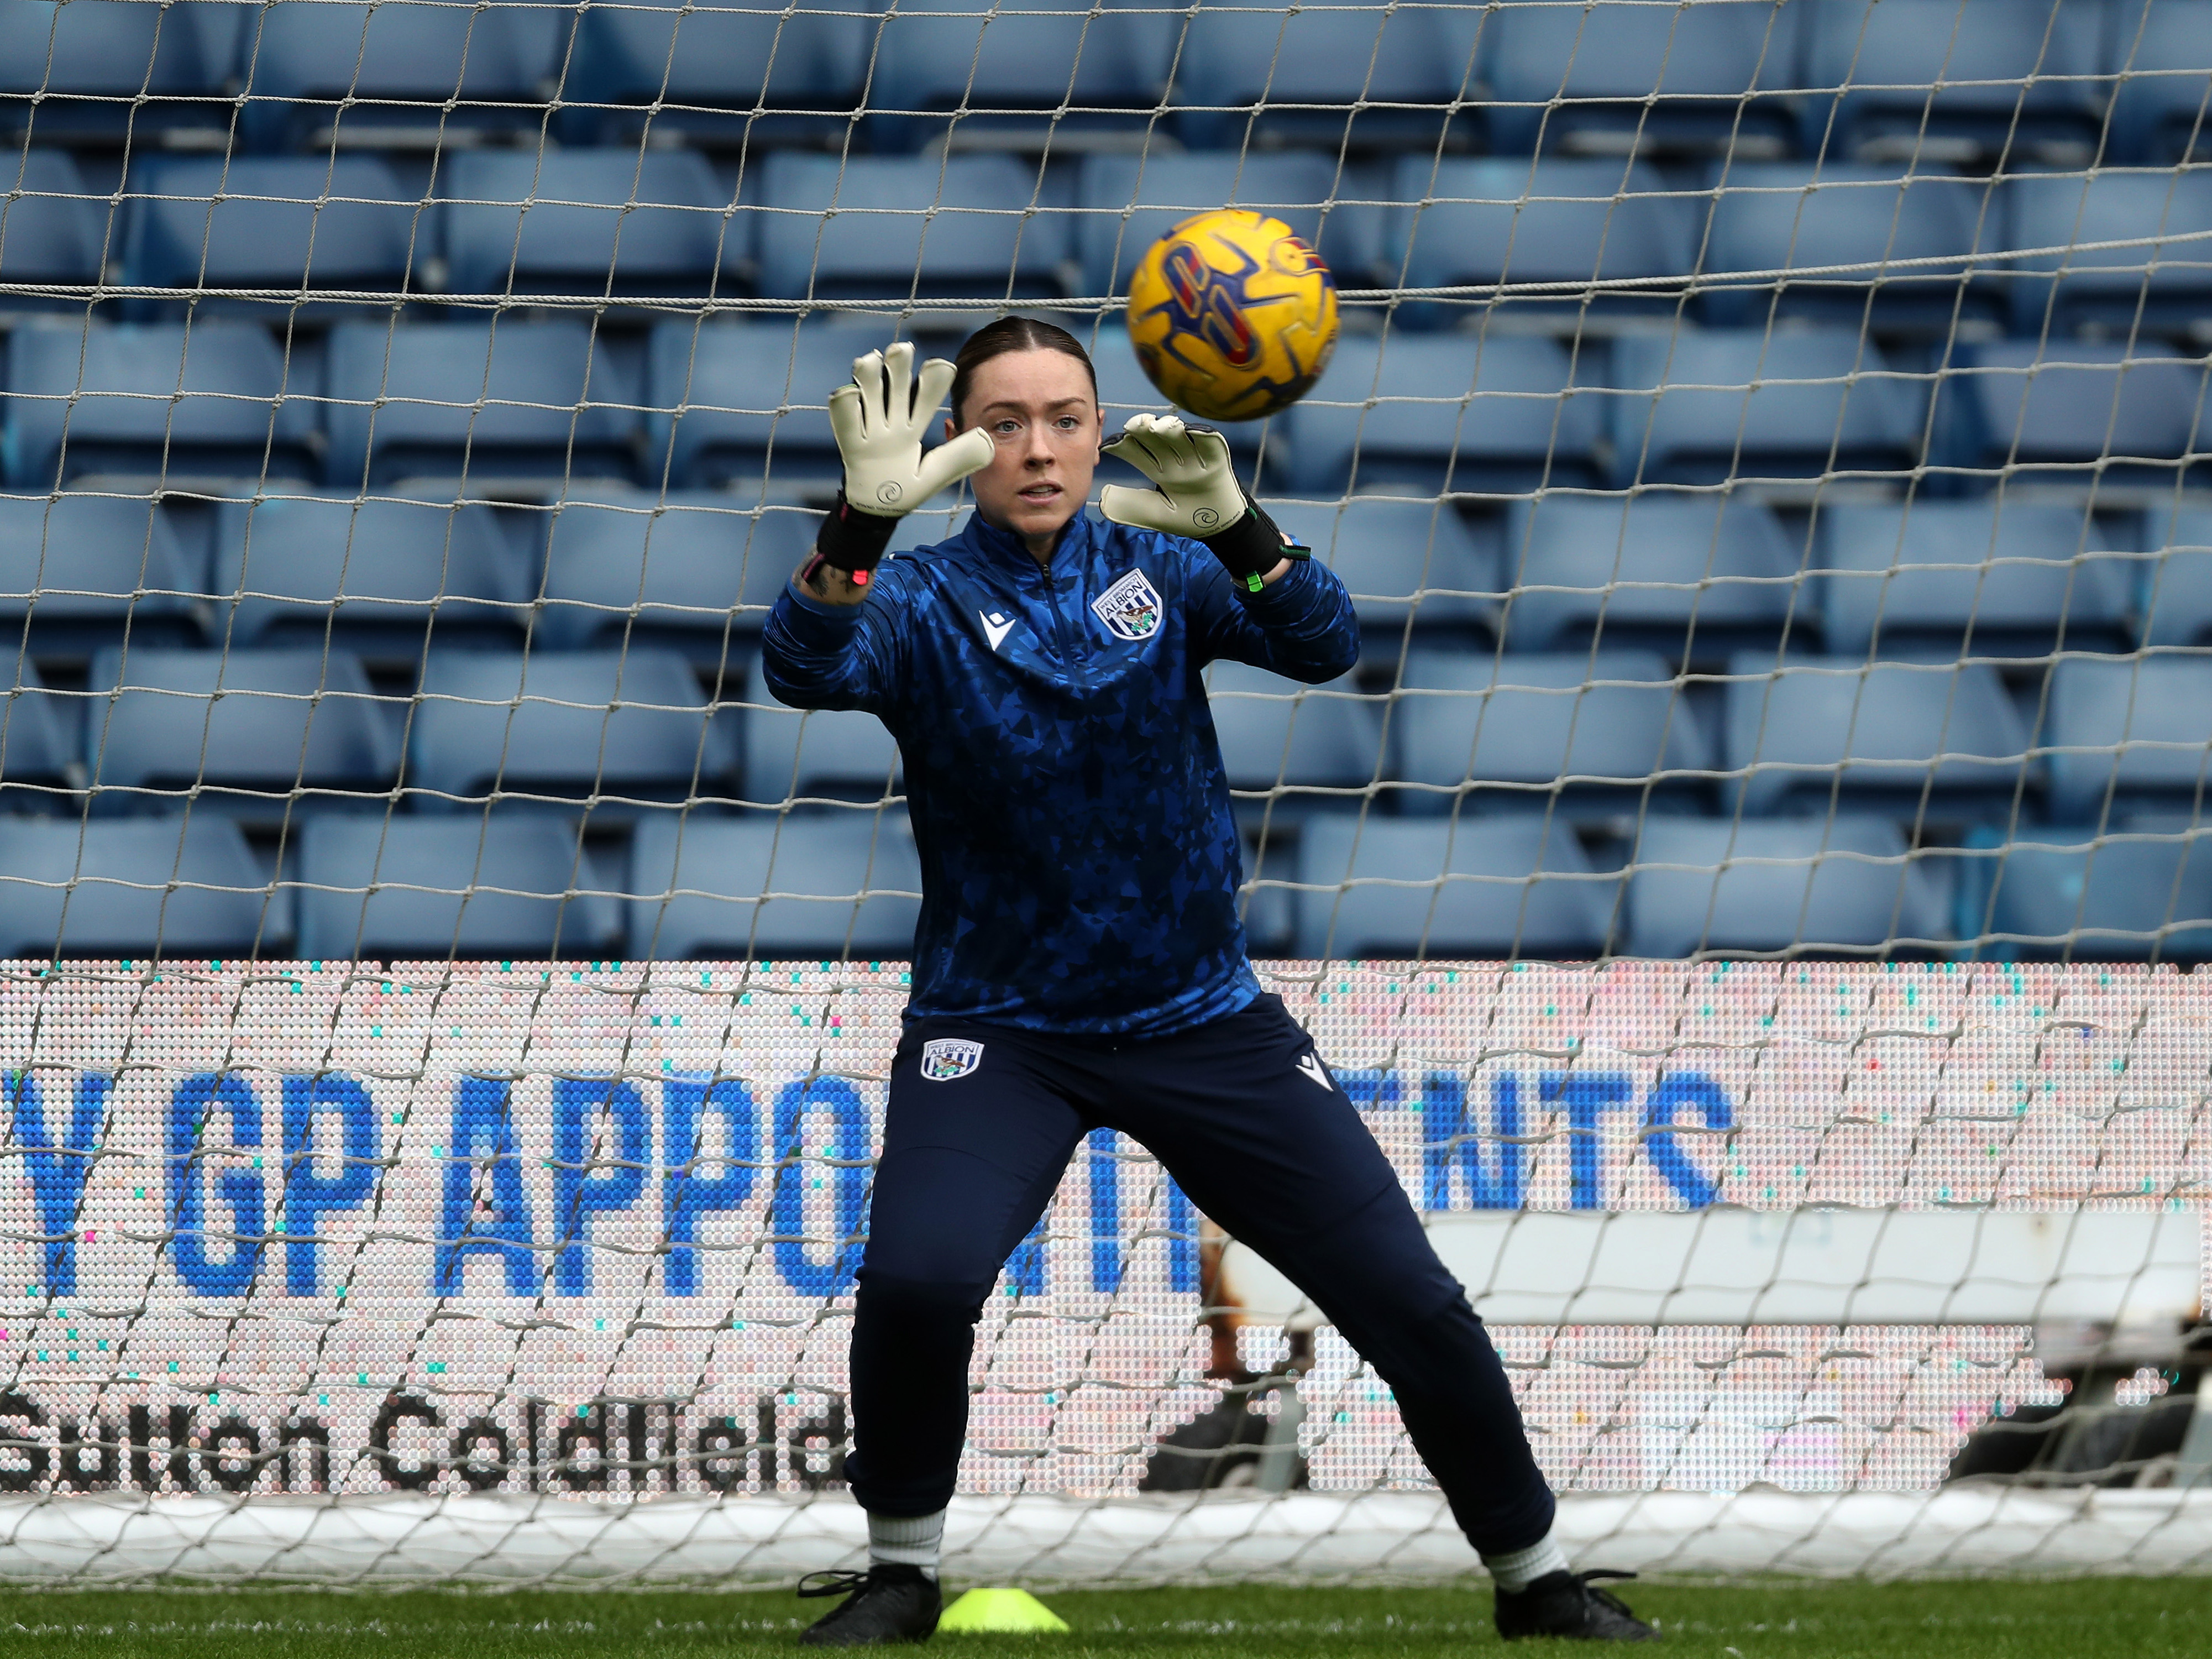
1516	1569
906	1540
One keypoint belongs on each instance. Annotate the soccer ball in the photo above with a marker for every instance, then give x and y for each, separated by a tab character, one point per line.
1232	315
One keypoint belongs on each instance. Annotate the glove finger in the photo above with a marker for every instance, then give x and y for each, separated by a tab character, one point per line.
931	386
868	377
949	463
898	383
1210	447
847	419
1145	509
1133	447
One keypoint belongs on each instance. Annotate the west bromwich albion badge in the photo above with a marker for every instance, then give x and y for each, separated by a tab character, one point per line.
1130	608
944	1058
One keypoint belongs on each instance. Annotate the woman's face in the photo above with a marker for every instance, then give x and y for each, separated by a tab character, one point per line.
1042	417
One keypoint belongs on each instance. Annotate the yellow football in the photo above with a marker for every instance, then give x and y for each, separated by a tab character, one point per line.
1232	315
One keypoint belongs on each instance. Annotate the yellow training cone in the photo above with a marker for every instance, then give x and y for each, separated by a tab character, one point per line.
1001	1612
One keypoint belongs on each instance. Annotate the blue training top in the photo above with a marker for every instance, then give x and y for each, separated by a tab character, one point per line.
1079	860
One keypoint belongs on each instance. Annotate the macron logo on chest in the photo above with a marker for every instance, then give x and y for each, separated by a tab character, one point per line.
996	626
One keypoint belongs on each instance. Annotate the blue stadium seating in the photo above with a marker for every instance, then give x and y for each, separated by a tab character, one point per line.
52	228
744	72
615	727
1507	732
1407	562
478	400
1312	746
1519	885
1996	577
736	400
373	575
494	886
41	760
2163	54
1813	729
245	728
1826	401
838	753
588	221
104	71
138	399
136	887
1127	203
2145	890
691	571
1449	412
2156	286
1613	79
2074	411
75	570
816	886
1797	215
1334	77
2139	729
905	226
317	73
2022	80
2176	587
1510	220
1685	575
282	222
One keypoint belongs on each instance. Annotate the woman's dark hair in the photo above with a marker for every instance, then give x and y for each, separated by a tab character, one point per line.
1013	334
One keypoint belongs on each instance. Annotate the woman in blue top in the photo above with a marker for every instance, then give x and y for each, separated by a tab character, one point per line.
1080	963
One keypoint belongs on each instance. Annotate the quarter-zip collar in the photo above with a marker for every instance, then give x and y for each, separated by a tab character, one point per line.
1006	547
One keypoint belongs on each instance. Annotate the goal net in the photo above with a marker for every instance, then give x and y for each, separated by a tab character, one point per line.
1749	883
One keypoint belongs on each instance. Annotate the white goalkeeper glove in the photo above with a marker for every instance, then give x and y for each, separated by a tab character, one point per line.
1195	493
879	421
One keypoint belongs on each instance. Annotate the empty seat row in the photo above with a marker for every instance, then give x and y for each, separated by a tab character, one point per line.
1843	74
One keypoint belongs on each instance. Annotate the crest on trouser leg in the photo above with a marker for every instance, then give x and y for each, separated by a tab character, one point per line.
944	1058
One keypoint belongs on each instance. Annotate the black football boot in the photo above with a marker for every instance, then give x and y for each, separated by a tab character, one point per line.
1566	1604
888	1602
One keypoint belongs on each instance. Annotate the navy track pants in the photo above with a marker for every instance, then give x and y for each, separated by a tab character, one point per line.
1280	1161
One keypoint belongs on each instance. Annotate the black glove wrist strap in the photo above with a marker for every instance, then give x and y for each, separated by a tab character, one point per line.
851	541
1252	547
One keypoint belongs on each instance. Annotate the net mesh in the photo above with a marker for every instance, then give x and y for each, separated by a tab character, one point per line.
1750	882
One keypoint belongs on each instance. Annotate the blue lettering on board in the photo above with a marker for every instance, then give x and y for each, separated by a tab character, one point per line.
193	1108
589	1180
309	1197
492	1217
58	1172
848	1150
686	1103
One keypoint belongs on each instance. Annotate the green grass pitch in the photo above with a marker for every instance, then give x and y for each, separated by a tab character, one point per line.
2077	1618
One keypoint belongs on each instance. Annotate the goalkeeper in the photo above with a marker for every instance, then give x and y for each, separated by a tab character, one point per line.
1079	962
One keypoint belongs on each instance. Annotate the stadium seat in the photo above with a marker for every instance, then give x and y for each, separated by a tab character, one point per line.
135	888
2177	583
691	571
1406	563
1127	203
1295	747
76	571
378	576
2074	411
890	227
614	728
1332	77
2020	80
479	400
774	886
2163	57
1611	79
1826	401
242	730
2157	287
103	72
2144	891
610	222
52	228
1517	886
41	758
734	401
1840	885
1054	72
316	222
836	754
1507	732
1449	412
492	886
2140	728
319	74
151	400
1814	217
723	72
1510	220
1688	576
1993	577
1799	733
